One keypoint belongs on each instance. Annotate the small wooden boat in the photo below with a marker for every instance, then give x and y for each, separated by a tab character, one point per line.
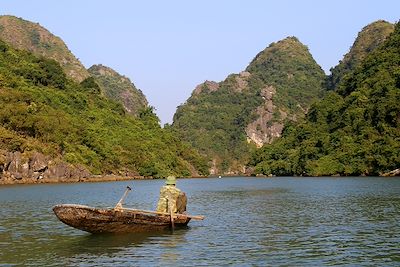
119	219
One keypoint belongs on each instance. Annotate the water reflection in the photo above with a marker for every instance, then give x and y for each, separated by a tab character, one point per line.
249	221
103	244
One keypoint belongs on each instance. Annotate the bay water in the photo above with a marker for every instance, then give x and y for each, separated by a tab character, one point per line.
282	221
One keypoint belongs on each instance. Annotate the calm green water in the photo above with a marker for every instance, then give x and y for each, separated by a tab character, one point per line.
249	222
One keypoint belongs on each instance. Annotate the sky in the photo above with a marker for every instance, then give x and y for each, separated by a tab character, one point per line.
168	47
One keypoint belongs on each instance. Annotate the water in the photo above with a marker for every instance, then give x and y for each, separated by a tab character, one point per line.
249	222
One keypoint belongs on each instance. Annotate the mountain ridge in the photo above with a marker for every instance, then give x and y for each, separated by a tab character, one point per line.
226	120
27	35
352	131
369	38
119	88
53	129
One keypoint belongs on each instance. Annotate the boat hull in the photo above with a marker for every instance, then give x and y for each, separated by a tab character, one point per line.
95	220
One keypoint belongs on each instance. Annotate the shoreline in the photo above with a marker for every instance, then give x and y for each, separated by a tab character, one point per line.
92	179
116	178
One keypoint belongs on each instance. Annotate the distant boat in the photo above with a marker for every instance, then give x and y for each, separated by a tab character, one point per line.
219	176
119	219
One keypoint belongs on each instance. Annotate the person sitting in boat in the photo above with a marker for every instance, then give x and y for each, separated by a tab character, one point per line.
171	197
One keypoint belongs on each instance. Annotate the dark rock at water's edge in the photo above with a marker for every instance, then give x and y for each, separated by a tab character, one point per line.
34	167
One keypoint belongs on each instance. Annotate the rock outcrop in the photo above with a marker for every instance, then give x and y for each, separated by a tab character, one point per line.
34	167
266	128
119	88
395	172
221	119
206	87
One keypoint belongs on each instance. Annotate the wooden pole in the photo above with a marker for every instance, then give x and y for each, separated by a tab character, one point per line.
171	214
120	202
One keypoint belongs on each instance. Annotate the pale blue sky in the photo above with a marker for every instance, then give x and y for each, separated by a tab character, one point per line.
168	47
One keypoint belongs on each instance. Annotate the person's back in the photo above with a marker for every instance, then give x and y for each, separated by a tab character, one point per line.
171	197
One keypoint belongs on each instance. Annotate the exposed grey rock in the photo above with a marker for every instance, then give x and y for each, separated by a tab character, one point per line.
241	83
33	167
17	164
38	162
264	129
17	176
210	86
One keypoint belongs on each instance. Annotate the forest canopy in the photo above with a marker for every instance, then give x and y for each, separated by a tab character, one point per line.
43	110
354	130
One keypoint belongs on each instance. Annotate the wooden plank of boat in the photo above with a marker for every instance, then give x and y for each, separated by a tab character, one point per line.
118	220
176	215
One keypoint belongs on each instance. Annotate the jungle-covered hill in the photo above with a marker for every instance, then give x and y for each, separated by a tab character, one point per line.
370	37
43	111
227	120
119	88
26	35
354	130
280	116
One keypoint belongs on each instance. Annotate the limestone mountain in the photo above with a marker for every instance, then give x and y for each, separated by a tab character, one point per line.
368	39
354	130
55	129
119	88
292	81
226	120
26	35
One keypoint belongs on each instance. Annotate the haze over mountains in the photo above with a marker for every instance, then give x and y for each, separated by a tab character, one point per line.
230	127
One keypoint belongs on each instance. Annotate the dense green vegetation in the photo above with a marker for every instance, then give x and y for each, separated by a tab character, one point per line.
289	67
103	122
214	121
354	130
119	88
370	37
43	110
26	35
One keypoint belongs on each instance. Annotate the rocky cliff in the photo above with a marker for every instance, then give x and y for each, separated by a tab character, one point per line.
119	88
293	80
225	120
26	35
265	129
34	167
353	131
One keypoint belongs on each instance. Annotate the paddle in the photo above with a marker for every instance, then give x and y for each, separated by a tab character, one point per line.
171	214
119	204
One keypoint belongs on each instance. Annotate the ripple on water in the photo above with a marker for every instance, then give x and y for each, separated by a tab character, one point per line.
249	222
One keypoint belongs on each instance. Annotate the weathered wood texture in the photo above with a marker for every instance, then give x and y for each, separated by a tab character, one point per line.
94	220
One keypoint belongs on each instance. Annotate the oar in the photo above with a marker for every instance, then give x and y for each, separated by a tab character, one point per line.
119	204
171	214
